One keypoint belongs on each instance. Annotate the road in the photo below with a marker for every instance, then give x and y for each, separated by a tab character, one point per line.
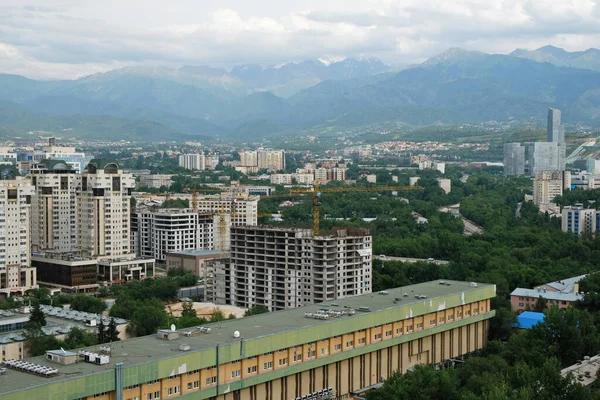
407	259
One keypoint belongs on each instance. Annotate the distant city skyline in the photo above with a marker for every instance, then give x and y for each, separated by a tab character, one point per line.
65	39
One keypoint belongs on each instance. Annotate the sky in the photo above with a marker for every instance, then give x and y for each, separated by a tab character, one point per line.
65	39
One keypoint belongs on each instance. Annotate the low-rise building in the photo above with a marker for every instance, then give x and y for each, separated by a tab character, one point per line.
66	271
194	260
290	354
155	181
560	293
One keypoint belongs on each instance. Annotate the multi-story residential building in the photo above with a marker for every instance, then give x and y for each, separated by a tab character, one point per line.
70	155
195	261
548	156
157	233
242	207
192	161
549	184
281	179
253	161
514	159
560	293
445	185
335	350
156	181
286	267
304	179
578	220
211	161
56	185
324	175
16	273
104	210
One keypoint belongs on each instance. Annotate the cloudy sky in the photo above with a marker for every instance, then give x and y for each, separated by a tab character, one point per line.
70	38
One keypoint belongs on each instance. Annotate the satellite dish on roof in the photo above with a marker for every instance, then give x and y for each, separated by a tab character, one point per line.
173	327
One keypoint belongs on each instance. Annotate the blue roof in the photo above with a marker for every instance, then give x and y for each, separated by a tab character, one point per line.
527	319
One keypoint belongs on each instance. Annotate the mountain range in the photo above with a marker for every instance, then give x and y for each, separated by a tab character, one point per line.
252	101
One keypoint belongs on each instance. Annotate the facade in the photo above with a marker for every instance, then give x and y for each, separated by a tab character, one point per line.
281	179
445	185
560	293
16	273
514	159
548	156
556	133
156	181
217	279
284	268
192	161
66	271
547	185
324	175
125	268
56	185
273	160
329	350
104	210
579	221
372	178
70	155
194	260
168	230
243	208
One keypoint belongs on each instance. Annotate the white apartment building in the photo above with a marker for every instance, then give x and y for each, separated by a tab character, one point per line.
445	184
56	186
156	181
579	220
285	267
104	210
304	179
16	273
243	208
263	159
281	179
549	184
192	161
70	155
168	230
324	175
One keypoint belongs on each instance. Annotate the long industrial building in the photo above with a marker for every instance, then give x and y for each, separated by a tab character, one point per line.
282	268
330	350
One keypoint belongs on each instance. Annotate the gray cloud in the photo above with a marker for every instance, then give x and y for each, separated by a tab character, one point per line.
67	38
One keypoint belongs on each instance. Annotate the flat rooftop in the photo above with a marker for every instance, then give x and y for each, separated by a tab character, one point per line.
197	252
149	348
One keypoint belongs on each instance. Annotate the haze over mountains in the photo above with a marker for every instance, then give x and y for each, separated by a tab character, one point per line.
252	101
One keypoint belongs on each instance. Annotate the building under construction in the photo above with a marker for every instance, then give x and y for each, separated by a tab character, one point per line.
284	268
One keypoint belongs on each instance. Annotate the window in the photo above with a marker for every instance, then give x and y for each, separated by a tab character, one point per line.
378	336
157	395
398	331
432	322
170	391
283	361
189	385
442	320
236	373
268	365
337	347
252	369
176	389
196	384
324	350
420	325
297	357
362	340
350	343
388	333
211	380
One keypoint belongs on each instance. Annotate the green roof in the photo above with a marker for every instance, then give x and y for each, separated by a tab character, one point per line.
270	331
56	165
101	163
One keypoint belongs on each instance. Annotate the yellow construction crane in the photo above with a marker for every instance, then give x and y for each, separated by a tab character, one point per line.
316	194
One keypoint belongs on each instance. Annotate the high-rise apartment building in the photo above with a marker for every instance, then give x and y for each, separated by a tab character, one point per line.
514	159
242	208
549	184
548	156
324	175
556	132
168	230
579	220
285	267
16	273
273	160
56	185
192	161
104	209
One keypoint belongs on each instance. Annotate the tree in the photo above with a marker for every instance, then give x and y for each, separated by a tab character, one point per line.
90	304
37	317
231	316
256	309
217	316
101	332
112	334
540	305
188	309
77	337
